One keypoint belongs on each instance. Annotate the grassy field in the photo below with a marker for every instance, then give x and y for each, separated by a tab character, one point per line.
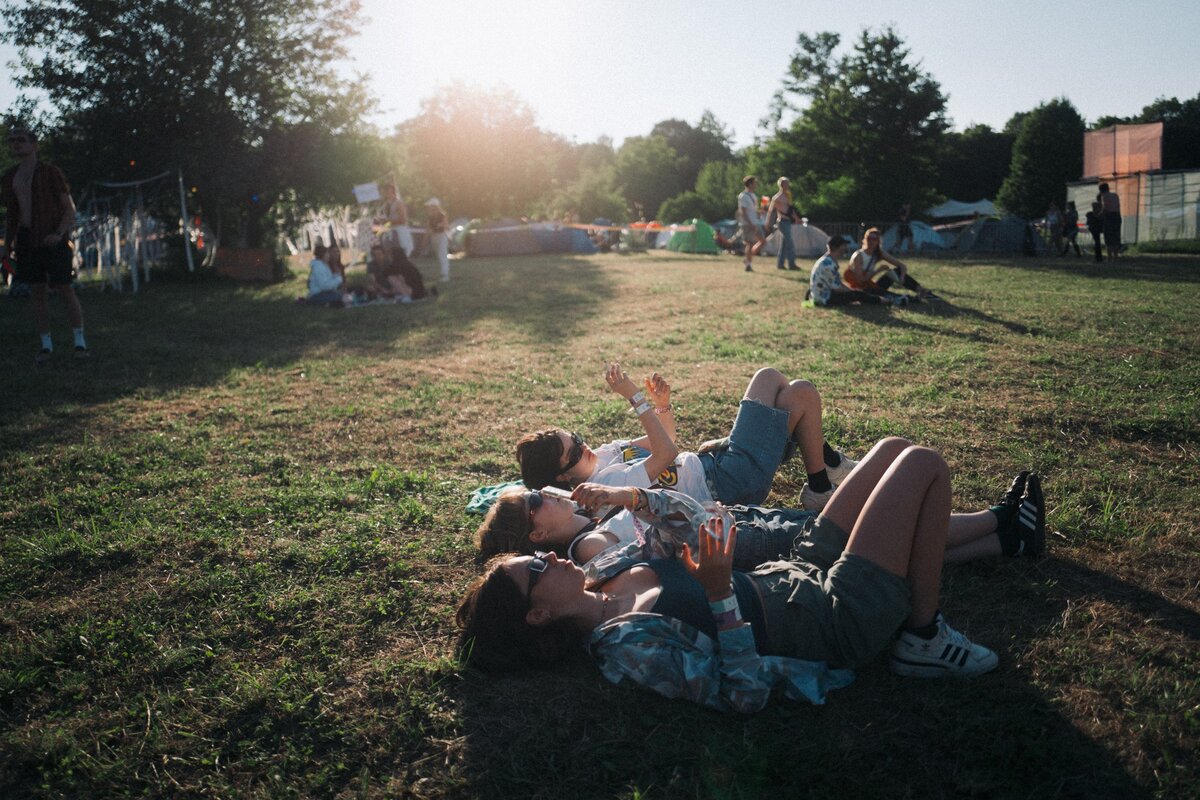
233	540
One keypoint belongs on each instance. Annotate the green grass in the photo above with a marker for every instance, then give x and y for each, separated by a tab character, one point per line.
232	542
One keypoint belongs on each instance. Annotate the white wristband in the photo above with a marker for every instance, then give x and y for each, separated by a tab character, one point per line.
637	397
641	409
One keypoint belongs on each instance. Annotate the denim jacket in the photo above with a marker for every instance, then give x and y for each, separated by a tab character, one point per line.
674	659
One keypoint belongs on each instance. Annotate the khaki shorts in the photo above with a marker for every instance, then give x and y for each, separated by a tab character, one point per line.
750	232
828	605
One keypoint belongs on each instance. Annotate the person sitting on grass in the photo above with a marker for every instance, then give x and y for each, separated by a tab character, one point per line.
324	285
524	521
825	282
776	416
874	270
386	277
691	627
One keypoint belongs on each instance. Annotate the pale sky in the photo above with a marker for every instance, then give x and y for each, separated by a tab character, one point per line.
617	68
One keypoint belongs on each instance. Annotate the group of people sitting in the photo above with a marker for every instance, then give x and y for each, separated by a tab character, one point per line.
393	278
868	279
663	567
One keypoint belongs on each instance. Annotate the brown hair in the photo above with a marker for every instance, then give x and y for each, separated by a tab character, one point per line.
506	527
319	251
867	234
493	633
540	456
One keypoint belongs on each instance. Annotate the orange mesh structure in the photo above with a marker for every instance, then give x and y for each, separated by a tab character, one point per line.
1122	150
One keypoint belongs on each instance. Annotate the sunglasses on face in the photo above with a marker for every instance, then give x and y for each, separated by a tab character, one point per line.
574	454
535	502
537	565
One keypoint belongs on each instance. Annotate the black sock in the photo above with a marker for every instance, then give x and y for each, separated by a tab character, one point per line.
819	481
925	631
832	457
1010	540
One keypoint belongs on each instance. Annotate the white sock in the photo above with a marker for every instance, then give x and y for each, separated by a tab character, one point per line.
79	340
46	343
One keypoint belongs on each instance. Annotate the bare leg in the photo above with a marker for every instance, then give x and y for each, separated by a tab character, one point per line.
966	528
802	401
848	500
904	524
41	307
74	311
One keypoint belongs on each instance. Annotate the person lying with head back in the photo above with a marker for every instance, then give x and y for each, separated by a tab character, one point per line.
775	418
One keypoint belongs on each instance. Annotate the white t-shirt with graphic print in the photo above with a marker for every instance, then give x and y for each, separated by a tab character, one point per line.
620	463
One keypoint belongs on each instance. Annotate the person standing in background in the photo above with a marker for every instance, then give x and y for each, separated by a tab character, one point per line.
1110	208
1095	226
394	213
439	236
41	216
784	213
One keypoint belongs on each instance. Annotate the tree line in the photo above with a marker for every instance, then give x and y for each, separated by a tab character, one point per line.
243	98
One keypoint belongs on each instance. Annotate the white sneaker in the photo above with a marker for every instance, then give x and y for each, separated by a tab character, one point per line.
814	500
837	475
947	654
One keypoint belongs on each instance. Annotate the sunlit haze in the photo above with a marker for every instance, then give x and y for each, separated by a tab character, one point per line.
617	68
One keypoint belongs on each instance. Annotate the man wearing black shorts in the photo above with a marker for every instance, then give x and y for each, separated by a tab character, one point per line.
41	216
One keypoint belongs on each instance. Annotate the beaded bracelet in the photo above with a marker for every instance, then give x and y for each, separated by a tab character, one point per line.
662	409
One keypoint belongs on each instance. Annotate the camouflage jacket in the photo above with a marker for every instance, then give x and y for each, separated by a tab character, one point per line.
674	659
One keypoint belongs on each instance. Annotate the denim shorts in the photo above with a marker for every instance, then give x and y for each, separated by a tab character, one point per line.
742	473
838	607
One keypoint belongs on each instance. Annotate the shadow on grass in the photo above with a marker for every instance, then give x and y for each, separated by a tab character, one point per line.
569	733
183	331
1142	268
909	317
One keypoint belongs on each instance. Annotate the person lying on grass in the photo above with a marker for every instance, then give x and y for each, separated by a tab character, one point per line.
660	522
873	269
692	627
776	416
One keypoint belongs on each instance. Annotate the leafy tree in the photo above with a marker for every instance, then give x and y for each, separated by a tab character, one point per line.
719	183
873	125
1047	154
647	172
238	93
1181	129
684	206
973	164
481	151
709	141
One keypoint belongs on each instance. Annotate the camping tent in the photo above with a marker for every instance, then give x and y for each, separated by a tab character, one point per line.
957	208
698	240
809	240
924	238
1009	235
507	237
563	240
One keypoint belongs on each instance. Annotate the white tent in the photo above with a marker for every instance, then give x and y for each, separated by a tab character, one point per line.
924	239
955	208
810	241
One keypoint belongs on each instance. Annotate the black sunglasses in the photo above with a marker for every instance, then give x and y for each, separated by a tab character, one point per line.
537	565
574	454
535	502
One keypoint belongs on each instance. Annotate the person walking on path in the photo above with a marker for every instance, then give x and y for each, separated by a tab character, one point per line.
41	215
747	213
439	237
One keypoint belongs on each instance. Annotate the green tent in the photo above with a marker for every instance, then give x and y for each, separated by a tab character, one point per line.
700	240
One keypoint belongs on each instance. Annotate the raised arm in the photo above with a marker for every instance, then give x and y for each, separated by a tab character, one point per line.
657	440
